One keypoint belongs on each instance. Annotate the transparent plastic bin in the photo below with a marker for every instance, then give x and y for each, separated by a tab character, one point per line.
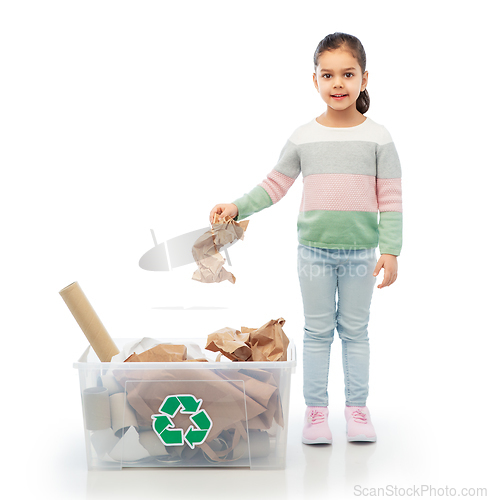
185	414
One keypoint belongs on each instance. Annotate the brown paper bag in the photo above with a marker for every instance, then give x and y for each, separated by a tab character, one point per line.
269	342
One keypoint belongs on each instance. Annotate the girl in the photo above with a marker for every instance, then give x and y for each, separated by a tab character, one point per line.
350	171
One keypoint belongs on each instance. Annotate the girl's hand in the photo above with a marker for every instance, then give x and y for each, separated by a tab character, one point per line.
390	265
223	209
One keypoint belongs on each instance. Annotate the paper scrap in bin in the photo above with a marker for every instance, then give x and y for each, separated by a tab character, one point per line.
128	448
207	247
244	398
156	351
160	353
244	404
267	343
231	343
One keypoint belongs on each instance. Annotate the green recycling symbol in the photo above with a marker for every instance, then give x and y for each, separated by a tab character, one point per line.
187	404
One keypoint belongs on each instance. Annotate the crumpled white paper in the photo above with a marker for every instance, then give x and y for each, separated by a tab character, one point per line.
128	448
139	346
103	441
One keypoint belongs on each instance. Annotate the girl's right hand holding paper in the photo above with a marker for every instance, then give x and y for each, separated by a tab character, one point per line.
223	209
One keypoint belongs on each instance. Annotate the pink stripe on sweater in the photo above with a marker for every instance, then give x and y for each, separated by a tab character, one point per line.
276	185
339	192
389	193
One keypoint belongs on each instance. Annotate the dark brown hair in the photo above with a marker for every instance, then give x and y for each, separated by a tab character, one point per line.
344	41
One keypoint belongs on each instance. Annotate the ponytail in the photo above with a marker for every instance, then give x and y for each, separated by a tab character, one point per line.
362	102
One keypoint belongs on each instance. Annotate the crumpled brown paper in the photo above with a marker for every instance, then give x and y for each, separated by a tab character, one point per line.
206	250
164	353
160	353
267	343
231	343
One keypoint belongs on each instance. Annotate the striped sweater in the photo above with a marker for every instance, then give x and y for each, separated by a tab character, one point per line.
349	175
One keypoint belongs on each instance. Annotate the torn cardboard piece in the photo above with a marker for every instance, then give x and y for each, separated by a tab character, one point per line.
267	343
207	247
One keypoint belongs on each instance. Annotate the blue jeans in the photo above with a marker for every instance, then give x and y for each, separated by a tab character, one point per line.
322	272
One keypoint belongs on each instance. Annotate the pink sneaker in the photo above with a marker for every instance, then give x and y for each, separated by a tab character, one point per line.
359	426
316	429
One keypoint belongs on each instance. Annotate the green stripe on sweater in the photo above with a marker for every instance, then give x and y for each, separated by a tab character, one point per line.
338	229
256	200
390	231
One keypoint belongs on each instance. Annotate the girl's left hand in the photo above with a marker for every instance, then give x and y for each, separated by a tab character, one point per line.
390	265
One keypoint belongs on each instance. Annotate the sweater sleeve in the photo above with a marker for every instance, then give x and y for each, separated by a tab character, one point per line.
389	195
275	186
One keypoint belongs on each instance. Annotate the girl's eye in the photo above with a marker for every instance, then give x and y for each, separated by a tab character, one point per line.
327	75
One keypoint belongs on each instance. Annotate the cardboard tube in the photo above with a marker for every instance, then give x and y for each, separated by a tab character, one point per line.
89	322
184	451
110	382
123	416
258	442
96	408
218	444
152	443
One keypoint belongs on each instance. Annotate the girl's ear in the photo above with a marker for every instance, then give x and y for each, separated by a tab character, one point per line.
315	81
364	81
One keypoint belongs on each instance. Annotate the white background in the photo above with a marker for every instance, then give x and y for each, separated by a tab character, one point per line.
121	117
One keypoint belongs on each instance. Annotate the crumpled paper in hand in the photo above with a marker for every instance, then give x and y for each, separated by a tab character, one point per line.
206	250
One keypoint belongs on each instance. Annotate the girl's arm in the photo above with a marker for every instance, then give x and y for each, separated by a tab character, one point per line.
268	192
389	195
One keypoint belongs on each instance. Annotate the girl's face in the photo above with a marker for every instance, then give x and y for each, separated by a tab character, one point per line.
339	79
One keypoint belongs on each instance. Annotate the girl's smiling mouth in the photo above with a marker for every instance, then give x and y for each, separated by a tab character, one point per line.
338	96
